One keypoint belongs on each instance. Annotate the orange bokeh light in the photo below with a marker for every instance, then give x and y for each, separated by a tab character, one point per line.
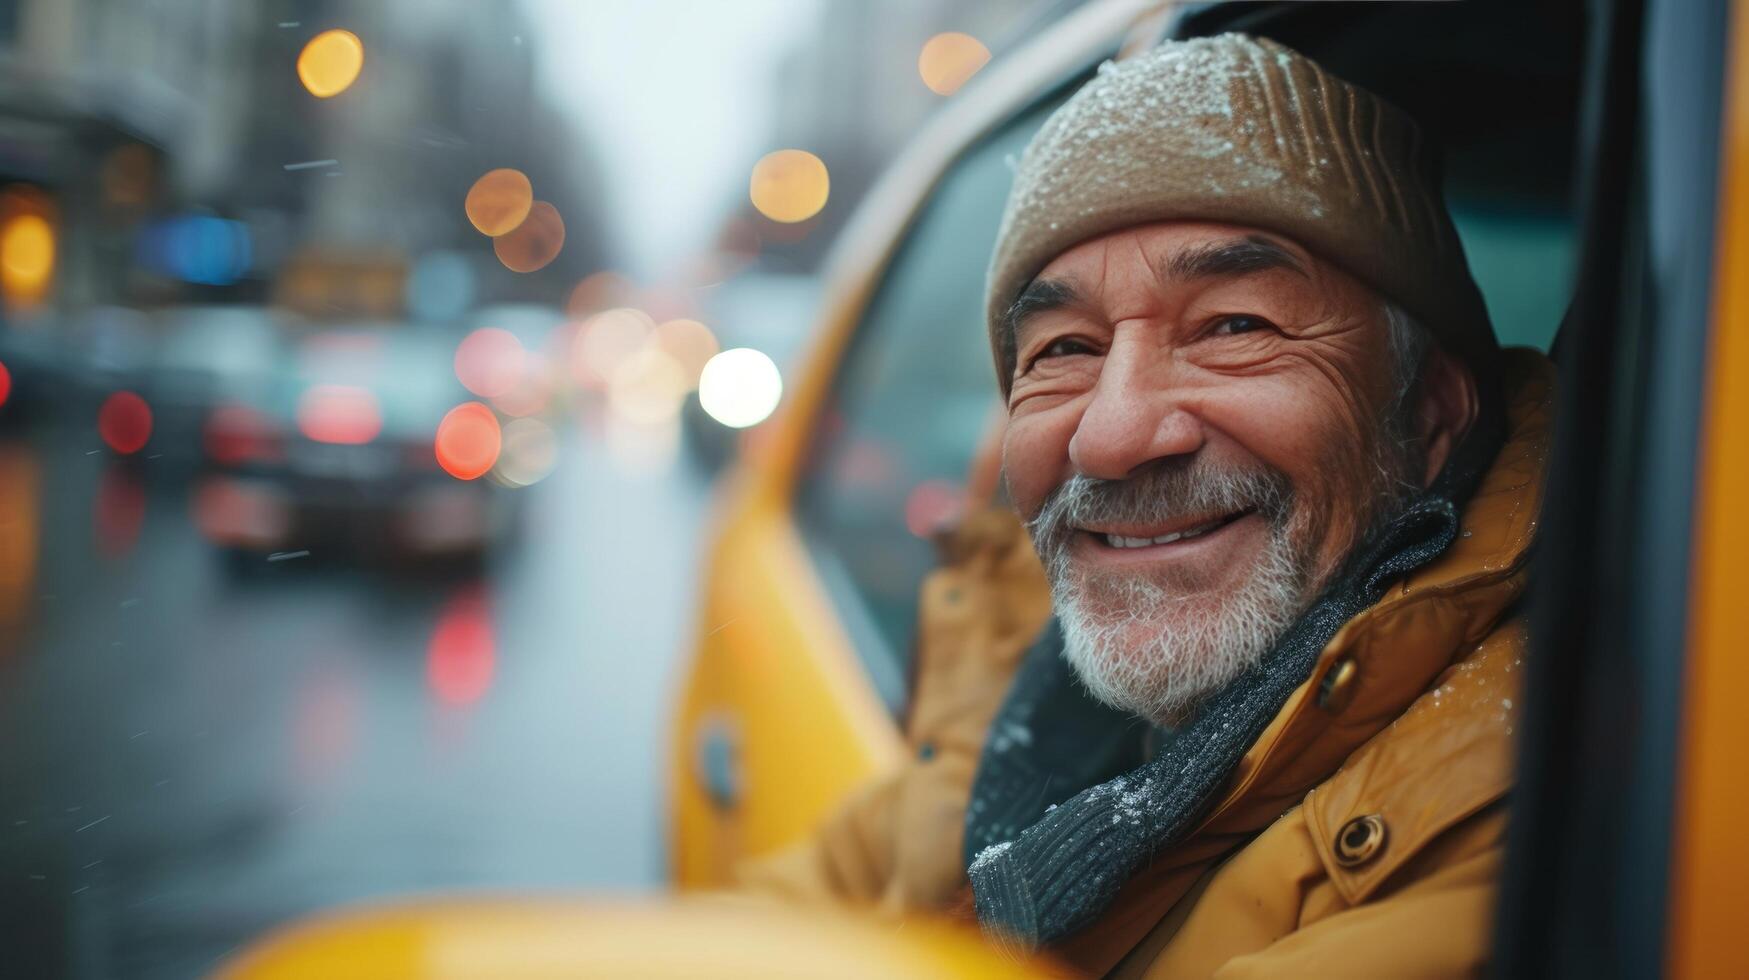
535	242
468	441
125	422
598	291
342	415
330	63
949	60
789	186
606	340
499	201
690	343
647	387
27	256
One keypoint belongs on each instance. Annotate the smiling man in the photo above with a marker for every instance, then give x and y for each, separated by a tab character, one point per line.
1282	485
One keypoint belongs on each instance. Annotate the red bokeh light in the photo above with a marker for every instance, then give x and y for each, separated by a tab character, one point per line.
5	383
460	662
468	441
125	422
488	362
339	414
119	511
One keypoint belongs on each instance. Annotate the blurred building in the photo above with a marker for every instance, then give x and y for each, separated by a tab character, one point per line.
137	127
853	96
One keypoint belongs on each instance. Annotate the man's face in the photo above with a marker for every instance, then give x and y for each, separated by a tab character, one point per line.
1204	421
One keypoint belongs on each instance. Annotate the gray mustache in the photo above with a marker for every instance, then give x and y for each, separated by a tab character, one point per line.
1164	492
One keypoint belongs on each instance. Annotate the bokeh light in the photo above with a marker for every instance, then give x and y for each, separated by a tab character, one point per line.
531	449
124	422
468	441
5	383
238	434
342	415
462	656
740	387
489	362
931	506
196	248
598	291
949	60
233	513
604	341
330	63
27	256
647	387
789	186
118	510
533	390
535	242
690	343
499	201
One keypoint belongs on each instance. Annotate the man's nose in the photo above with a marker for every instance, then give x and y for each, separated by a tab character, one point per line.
1136	416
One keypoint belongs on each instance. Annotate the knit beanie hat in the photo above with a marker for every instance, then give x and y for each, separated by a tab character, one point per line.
1242	130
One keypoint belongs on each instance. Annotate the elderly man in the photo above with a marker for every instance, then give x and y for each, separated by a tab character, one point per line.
1282	482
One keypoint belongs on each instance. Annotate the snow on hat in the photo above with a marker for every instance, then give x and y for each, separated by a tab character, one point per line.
1242	130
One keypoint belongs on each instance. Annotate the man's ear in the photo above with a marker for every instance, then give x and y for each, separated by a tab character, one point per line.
1445	409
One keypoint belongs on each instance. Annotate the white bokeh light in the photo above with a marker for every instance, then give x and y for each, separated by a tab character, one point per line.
740	387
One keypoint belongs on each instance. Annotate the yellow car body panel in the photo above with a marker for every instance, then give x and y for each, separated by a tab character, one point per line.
551	939
1710	854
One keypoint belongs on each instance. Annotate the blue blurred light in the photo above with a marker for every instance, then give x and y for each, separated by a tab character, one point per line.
440	287
196	248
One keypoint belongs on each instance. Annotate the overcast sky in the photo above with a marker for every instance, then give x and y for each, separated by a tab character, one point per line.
676	96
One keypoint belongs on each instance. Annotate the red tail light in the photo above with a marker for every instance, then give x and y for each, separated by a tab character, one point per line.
125	422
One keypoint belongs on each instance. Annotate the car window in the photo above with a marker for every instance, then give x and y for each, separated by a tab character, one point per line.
913	396
1522	258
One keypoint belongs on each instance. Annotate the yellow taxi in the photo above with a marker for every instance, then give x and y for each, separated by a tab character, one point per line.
1598	169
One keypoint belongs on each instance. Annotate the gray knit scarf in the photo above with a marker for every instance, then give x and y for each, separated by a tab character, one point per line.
1062	872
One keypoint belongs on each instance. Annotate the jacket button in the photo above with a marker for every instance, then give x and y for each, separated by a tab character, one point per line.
1360	840
1337	687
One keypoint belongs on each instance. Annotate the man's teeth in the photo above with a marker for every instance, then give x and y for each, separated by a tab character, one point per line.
1120	541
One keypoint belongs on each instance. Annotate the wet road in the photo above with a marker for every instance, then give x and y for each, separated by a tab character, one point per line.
189	757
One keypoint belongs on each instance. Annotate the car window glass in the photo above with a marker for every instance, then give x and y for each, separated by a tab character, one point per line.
913	397
1522	258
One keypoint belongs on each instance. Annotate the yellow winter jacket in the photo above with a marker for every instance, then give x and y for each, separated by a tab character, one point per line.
1360	836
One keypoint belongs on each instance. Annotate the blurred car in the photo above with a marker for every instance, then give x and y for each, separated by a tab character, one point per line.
204	357
340	451
809	609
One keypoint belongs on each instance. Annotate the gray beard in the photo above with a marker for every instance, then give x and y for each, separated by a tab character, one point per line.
1154	645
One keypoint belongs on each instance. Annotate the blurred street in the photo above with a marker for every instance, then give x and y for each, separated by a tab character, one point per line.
193	751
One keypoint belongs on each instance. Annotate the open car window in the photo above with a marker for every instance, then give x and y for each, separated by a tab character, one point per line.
914	394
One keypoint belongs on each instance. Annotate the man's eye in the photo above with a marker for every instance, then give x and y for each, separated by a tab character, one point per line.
1231	325
1063	348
